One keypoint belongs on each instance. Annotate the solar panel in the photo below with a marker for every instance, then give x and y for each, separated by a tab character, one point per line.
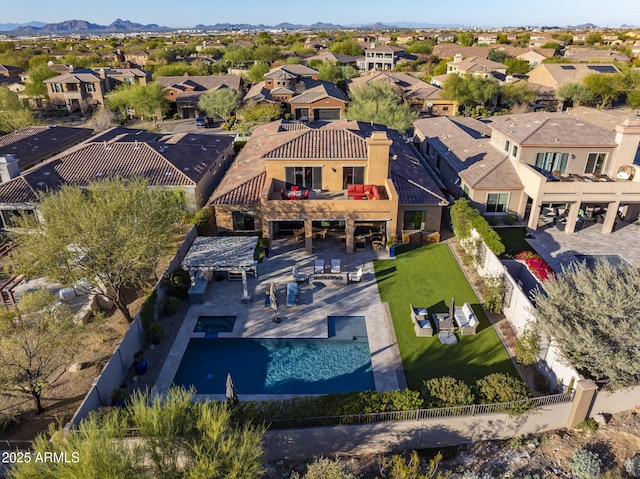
602	68
567	67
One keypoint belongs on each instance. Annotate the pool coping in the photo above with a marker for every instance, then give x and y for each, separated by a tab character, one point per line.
358	299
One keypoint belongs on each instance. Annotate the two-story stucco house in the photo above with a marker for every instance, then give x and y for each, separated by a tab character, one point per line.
380	57
342	175
522	164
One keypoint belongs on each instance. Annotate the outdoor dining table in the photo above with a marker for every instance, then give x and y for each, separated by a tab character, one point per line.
444	322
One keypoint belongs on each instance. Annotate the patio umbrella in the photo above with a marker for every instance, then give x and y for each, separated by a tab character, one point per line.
232	395
273	300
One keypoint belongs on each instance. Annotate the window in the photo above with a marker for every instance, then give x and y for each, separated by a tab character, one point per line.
352	175
552	161
128	80
243	220
56	87
465	189
414	220
507	145
595	163
497	202
90	87
514	151
305	176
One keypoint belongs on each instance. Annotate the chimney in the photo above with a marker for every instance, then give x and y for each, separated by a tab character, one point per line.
457	58
9	168
71	68
628	140
378	146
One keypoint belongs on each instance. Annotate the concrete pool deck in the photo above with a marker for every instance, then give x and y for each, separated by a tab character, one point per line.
560	249
308	319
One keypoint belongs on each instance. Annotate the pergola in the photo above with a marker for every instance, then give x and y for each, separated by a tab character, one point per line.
233	254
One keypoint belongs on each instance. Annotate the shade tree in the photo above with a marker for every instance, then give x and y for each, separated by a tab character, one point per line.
380	103
221	103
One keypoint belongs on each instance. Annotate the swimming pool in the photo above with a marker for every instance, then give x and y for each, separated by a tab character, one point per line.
591	259
212	325
341	363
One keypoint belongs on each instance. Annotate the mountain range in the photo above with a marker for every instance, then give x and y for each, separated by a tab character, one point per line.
122	26
81	26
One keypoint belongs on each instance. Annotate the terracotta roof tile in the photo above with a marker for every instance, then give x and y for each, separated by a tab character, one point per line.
248	193
325	144
17	191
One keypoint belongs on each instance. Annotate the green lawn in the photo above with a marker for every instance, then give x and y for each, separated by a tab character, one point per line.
513	241
429	276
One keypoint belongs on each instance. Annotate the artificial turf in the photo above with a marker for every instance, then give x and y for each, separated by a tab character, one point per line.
428	276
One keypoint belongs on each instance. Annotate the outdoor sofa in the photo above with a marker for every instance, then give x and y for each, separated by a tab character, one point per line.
466	320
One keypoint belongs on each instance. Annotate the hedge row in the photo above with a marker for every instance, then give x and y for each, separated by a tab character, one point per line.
465	217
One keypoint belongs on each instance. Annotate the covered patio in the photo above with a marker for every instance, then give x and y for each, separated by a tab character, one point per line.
233	255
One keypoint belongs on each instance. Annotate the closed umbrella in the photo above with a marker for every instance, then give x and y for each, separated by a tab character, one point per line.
232	395
273	300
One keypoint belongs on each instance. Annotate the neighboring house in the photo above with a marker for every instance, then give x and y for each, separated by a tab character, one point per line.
338	58
488	38
184	92
531	163
535	56
476	66
420	95
304	96
10	71
446	38
191	163
140	58
381	57
591	55
327	163
35	144
555	75
451	50
79	90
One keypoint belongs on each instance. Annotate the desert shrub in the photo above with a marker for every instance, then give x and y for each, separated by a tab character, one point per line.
527	347
503	388
475	475
179	283
172	305
632	466
9	422
147	310
396	467
494	297
493	220
324	468
446	392
588	425
201	219
509	220
586	464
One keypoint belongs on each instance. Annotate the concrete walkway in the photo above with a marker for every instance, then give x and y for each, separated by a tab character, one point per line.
308	319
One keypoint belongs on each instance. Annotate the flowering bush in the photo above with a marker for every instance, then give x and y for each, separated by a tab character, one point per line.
536	265
539	268
522	255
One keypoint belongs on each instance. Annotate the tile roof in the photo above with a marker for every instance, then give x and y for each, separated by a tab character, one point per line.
605	119
414	88
120	133
332	57
477	64
258	93
446	50
336	140
318	90
248	193
558	129
201	83
464	144
557	74
174	160
36	143
86	77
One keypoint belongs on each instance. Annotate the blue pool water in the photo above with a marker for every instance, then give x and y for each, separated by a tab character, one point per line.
280	366
592	259
212	325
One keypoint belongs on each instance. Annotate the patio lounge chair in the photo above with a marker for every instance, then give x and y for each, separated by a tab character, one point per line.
297	276
335	266
318	266
292	294
357	276
421	322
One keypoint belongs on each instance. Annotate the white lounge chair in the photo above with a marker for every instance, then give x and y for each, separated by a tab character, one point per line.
357	276
318	266
297	276
335	266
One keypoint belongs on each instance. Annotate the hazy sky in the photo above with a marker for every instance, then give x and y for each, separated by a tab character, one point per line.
188	13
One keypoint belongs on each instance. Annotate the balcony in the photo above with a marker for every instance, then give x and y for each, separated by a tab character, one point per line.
288	194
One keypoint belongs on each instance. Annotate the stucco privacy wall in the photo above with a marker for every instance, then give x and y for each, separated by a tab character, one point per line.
409	435
114	372
518	312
